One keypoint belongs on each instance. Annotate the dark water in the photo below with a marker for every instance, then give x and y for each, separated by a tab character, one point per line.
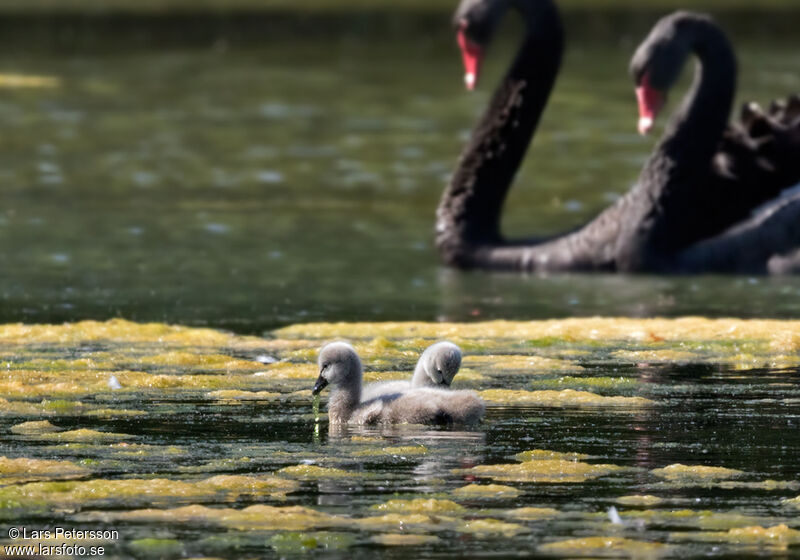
295	179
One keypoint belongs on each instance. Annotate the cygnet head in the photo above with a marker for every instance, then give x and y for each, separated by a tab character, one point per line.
339	366
441	362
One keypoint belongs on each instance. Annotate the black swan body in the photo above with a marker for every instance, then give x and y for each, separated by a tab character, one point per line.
690	209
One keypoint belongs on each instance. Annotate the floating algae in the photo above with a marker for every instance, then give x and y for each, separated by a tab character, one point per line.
81	435
120	331
768	484
376	376
794	502
297	518
419	522
566	398
298	396
468	377
767	535
695	473
778	536
742	343
531	513
609	383
156	548
406	450
486	491
23	469
290	543
545	470
314	472
379	352
117	450
398	539
253	518
133	492
113	413
505	364
20	81
34	427
206	362
149	357
412	522
24	385
541	454
180	380
780	336
657	356
287	370
605	546
101	363
691	519
68	383
43	408
422	505
216	465
638	500
492	527
233	394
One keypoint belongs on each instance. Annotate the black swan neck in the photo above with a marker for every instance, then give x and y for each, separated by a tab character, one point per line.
670	202
469	212
694	131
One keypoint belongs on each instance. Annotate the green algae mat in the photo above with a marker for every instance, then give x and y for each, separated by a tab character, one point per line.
603	438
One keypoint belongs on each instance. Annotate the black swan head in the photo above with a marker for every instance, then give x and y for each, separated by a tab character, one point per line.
475	22
657	63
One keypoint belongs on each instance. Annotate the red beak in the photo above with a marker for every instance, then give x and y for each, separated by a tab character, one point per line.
472	54
650	101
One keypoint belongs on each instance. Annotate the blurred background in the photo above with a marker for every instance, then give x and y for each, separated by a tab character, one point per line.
246	164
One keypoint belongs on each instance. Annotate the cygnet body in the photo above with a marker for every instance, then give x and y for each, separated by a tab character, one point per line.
340	367
436	367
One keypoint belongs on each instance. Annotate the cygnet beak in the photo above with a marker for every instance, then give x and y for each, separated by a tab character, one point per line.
319	385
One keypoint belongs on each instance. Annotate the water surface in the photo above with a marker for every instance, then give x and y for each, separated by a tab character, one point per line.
208	447
255	185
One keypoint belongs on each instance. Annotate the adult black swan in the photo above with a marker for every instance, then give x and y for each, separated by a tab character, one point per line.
701	179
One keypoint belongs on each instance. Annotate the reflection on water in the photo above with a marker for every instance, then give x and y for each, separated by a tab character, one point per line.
256	186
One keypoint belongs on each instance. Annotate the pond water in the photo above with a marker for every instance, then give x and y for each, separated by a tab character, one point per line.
255	185
210	448
248	186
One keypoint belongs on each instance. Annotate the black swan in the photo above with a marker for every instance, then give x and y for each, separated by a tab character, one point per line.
701	180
